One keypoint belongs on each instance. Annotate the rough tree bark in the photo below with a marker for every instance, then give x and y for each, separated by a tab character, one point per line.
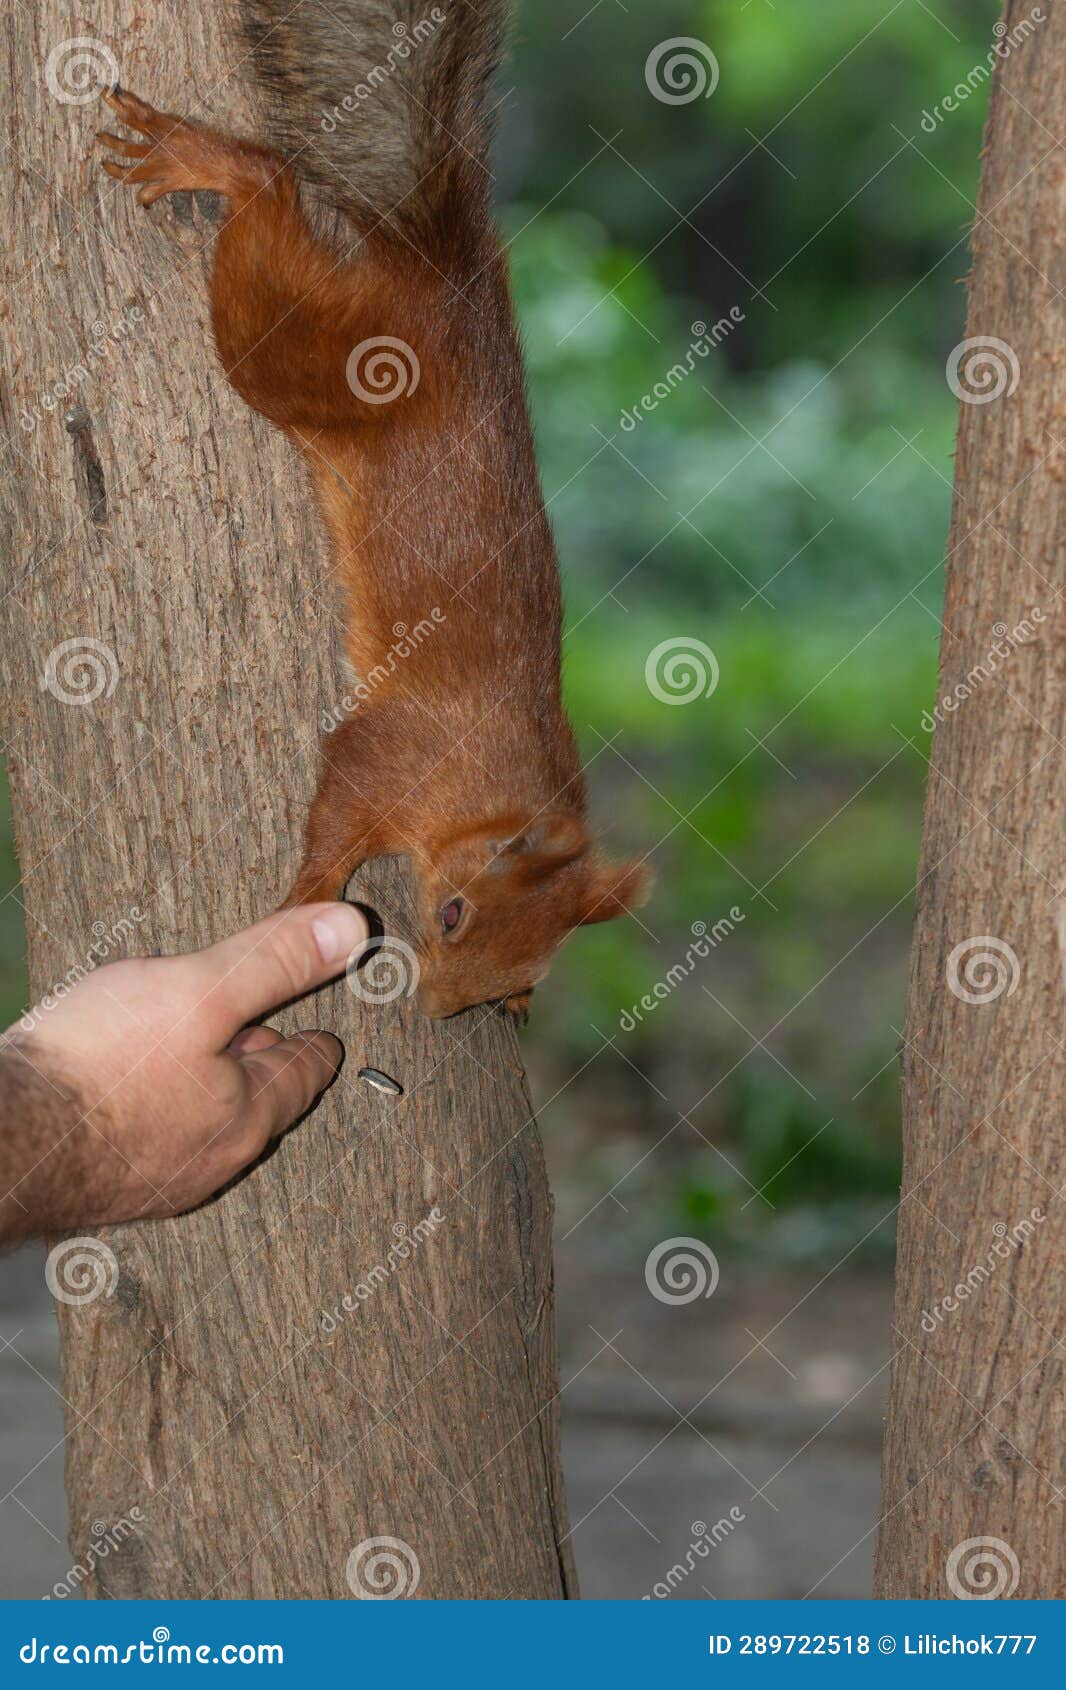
149	511
974	1437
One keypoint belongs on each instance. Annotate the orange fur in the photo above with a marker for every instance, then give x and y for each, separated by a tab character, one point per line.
459	754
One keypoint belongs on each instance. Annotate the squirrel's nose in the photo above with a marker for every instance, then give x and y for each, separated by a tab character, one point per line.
435	1005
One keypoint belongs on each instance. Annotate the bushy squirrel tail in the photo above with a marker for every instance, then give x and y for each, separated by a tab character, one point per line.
384	104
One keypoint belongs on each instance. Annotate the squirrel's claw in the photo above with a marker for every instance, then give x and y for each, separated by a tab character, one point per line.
137	114
518	1007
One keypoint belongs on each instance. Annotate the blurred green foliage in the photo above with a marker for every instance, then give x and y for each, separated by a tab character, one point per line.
786	503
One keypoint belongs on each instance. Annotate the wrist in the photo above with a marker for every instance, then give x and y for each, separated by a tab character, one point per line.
52	1176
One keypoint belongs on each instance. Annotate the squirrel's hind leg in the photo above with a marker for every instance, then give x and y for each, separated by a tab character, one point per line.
182	156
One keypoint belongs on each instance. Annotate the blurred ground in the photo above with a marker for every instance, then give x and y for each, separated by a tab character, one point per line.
672	1418
33	1515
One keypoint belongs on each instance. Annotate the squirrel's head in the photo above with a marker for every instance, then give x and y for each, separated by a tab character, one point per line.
497	903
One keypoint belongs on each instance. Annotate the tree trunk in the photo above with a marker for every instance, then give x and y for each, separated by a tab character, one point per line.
160	781
973	1448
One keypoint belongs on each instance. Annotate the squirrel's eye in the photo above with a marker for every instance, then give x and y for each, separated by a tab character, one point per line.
450	915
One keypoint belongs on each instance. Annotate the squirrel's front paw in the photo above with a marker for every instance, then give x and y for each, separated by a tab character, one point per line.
517	1007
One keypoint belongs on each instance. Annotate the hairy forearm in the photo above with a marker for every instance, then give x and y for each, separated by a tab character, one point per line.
46	1141
152	1084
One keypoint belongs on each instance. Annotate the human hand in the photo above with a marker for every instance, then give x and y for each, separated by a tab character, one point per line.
145	1089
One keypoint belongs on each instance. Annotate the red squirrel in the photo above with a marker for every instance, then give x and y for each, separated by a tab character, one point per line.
394	365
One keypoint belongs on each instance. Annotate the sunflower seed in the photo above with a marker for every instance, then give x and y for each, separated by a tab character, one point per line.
381	1082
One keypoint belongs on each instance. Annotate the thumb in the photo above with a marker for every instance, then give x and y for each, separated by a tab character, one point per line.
278	959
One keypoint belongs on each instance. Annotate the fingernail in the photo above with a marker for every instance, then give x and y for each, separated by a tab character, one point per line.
338	931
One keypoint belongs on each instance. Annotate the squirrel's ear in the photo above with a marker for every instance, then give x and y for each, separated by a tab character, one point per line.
556	837
613	888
